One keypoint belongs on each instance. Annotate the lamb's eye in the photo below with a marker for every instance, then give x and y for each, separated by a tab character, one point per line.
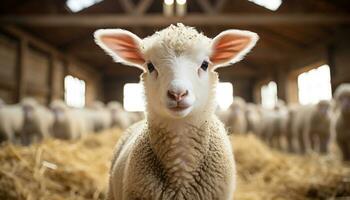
150	67
204	65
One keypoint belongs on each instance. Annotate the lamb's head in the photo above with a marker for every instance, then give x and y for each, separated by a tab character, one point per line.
323	108
178	64
342	98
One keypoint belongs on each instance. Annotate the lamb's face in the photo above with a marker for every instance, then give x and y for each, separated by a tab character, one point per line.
323	108
178	64
342	98
178	85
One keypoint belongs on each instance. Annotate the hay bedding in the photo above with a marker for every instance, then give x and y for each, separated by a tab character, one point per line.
79	170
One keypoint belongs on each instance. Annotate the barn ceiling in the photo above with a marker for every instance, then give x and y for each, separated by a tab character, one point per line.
294	27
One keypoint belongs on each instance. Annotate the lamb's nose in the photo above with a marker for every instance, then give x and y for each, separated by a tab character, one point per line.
178	95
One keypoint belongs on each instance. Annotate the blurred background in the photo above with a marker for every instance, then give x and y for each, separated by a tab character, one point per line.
289	120
48	52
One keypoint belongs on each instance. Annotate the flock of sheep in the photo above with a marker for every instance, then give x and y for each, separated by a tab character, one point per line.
296	128
28	121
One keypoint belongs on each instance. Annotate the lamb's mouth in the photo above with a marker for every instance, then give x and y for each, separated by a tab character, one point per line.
179	108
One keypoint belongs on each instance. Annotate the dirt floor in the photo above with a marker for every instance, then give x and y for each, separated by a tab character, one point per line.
58	170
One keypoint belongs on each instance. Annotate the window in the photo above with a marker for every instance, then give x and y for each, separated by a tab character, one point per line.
269	95
315	85
224	95
78	5
74	91
134	97
269	4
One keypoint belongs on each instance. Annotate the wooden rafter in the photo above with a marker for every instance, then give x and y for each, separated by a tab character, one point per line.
210	8
160	20
138	9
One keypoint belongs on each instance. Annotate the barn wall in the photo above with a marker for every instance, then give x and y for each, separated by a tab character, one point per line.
32	68
114	85
8	67
335	54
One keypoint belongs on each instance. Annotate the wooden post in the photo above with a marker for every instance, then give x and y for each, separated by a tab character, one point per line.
51	75
22	56
332	66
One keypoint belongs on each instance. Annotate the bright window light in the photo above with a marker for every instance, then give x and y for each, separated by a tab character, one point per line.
78	5
169	2
315	85
134	97
74	94
224	95
269	95
269	4
181	2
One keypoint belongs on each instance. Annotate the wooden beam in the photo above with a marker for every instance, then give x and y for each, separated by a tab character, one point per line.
143	6
22	56
159	20
51	75
206	6
219	5
138	9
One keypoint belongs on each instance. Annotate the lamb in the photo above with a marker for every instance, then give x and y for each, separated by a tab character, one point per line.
340	126
181	150
101	117
312	127
236	119
120	117
38	122
268	128
69	124
291	140
281	122
11	122
253	115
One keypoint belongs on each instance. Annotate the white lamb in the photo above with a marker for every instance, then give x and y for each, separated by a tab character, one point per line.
69	123
340	121
253	114
11	122
101	116
181	150
236	119
38	122
120	117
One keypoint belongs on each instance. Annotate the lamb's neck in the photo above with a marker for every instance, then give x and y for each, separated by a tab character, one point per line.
180	147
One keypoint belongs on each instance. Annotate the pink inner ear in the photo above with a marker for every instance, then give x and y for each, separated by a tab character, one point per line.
125	47
227	47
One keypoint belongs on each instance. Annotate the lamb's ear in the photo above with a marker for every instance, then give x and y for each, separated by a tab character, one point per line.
122	45
231	46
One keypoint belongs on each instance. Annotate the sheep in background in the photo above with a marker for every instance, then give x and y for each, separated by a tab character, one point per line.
182	151
101	116
340	122
253	116
319	130
69	123
312	127
268	128
292	145
2	103
11	122
38	122
236	119
281	125
120	117
136	116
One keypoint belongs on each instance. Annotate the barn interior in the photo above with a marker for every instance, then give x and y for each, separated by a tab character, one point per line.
45	44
